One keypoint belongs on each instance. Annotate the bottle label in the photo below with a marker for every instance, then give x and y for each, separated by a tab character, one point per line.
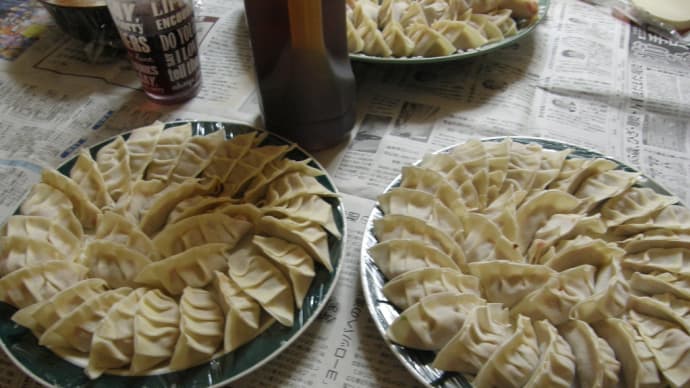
160	38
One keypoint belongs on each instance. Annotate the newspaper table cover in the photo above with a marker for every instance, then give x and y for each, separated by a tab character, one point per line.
582	77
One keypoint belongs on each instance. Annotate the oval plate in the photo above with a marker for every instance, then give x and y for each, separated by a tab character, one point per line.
48	369
487	48
383	312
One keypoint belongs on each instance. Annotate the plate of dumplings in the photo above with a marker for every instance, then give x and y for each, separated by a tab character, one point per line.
176	254
429	31
521	261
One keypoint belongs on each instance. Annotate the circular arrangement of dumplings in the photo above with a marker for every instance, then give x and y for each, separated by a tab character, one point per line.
166	250
431	28
522	266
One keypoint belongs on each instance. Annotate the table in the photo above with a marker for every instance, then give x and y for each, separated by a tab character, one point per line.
582	77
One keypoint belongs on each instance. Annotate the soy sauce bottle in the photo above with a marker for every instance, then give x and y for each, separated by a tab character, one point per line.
306	84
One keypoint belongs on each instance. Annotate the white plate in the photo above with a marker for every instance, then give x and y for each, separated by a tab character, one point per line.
384	313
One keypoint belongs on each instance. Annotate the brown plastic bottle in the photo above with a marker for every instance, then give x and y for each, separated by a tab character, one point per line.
306	84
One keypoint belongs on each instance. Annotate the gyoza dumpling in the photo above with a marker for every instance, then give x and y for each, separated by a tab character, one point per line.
136	203
554	300
39	316
485	328
166	152
414	14
556	366
473	186
307	208
458	177
502	212
535	212
113	163
673	260
256	189
604	185
241	211
562	227
44	200
374	43
581	250
421	205
432	182
117	229
391	11
498	154
201	329
244	317
85	210
483	241
228	154
193	267
294	261
461	34
404	227
664	306
263	281
250	165
397	40
292	185
610	297
635	204
500	20
140	145
409	288
597	366
508	282
669	344
156	330
197	205
430	323
43	229
355	43
86	174
156	215
397	256
74	331
550	166
38	282
306	234
576	171
636	359
112	344
199	230
17	252
196	154
660	283
471	155
524	161
440	9
114	263
656	238
513	361
670	218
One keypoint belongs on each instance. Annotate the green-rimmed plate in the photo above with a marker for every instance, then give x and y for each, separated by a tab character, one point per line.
524	28
418	362
48	369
